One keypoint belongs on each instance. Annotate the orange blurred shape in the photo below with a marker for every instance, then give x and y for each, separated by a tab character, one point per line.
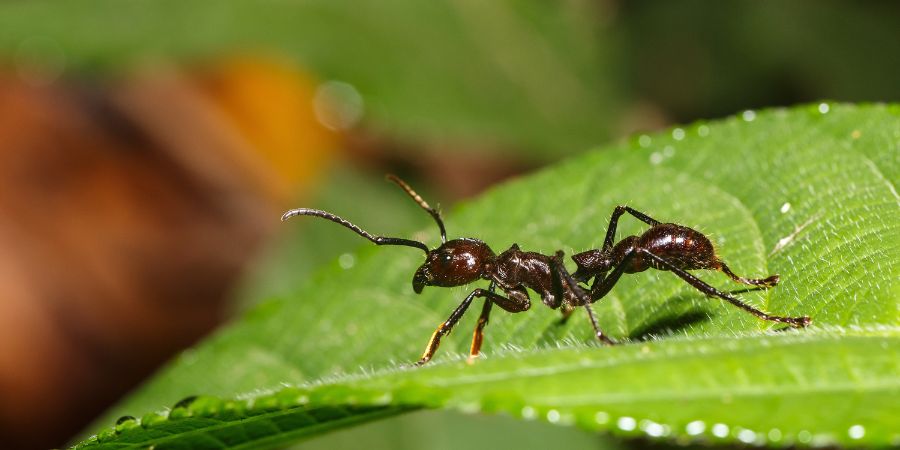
272	104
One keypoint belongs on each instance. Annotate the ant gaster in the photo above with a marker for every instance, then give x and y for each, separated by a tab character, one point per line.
665	246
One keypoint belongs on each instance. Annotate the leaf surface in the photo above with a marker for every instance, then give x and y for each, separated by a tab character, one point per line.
808	193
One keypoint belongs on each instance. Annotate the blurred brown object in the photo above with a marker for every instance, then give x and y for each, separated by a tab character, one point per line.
126	215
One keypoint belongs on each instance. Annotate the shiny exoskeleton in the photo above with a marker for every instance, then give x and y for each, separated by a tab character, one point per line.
458	262
665	246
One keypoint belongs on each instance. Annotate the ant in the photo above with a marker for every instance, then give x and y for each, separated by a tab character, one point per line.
665	246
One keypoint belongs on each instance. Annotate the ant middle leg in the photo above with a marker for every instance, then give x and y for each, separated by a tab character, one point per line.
478	335
565	280
603	284
705	288
558	268
597	331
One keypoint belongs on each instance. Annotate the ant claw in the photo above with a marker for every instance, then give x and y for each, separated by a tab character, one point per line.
794	322
771	281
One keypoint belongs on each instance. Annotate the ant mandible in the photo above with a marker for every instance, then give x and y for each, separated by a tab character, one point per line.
665	246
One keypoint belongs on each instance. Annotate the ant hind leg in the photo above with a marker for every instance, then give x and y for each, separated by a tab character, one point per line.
639	215
614	223
764	283
700	285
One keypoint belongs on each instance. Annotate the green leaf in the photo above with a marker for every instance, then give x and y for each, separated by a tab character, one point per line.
808	193
208	422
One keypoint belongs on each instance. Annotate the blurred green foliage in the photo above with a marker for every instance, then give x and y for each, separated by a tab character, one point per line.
709	59
531	75
531	78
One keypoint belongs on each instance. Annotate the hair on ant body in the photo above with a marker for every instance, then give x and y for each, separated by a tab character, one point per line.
457	262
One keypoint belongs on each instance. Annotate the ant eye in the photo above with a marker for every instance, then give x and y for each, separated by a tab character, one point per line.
446	258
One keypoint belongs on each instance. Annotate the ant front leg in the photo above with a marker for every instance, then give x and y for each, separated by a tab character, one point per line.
701	286
514	304
614	222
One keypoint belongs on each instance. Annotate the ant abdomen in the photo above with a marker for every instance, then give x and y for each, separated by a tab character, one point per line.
683	247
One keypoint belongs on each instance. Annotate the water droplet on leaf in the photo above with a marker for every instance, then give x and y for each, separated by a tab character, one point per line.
185	402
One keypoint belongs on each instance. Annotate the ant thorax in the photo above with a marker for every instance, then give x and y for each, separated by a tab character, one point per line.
528	269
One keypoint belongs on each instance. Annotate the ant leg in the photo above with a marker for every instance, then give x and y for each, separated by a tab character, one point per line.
556	295
478	335
764	282
566	311
514	304
597	331
614	221
565	287
701	286
602	286
584	298
567	308
445	327
517	301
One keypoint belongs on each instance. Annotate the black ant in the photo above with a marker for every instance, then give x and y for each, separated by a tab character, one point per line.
665	246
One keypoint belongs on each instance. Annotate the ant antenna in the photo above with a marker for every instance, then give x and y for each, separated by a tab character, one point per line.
378	240
418	199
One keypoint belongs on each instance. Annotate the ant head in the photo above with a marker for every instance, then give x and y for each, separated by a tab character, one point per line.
590	264
454	263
